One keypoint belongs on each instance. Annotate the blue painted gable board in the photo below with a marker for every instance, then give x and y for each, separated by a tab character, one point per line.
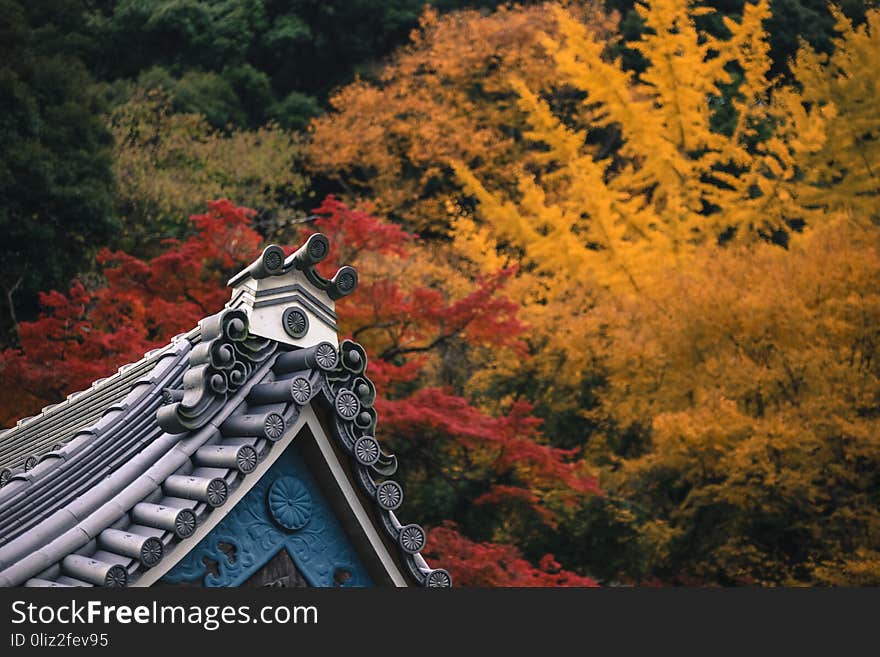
284	510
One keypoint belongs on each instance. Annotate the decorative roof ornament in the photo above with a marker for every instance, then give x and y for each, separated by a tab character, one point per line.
286	299
290	503
351	395
219	365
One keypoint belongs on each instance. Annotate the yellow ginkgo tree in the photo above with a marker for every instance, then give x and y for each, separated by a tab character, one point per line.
842	169
585	220
676	183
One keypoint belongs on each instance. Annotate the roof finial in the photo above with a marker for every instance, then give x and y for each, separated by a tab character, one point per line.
273	263
287	299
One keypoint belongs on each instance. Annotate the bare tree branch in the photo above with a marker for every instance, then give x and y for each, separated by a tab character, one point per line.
10	293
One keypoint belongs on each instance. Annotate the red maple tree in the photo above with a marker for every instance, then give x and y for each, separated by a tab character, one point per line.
492	564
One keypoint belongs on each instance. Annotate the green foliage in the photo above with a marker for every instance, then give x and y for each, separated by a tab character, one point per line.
198	92
237	63
248	61
808	20
55	173
296	110
165	161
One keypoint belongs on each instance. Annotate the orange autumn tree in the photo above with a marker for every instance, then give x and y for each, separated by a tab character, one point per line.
445	95
676	183
464	466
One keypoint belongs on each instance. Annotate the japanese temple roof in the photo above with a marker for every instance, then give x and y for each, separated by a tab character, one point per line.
114	485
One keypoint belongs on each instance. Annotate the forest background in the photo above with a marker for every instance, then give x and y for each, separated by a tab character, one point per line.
620	261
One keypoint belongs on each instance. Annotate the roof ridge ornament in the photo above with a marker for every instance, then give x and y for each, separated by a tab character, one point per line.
219	365
287	299
272	262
